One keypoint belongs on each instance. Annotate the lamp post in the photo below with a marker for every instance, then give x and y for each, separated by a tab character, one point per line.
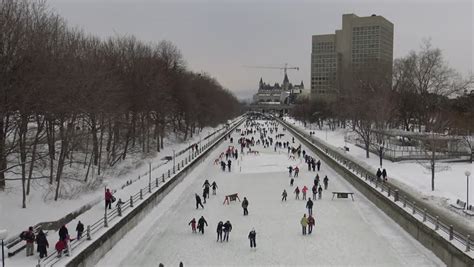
173	158
149	172
381	154
3	236
467	173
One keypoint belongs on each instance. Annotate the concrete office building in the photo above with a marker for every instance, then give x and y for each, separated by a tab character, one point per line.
336	58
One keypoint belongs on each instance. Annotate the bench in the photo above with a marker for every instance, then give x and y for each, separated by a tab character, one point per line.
232	197
343	195
460	205
469	211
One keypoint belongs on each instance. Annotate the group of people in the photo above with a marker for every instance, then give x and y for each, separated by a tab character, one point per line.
61	246
381	174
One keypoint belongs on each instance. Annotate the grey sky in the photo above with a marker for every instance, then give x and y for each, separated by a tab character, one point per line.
220	37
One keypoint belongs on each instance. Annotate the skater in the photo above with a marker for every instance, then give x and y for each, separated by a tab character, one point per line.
108	199
326	181
304	223
297	170
204	194
29	237
201	223
304	190
79	230
43	244
283	195
198	202
193	225
316	180
290	170
379	174
220	228
214	187
229	163
223	165
227	229
384	175
291	181
309	206
297	192
253	237
314	189
310	223
320	192
245	204
318	164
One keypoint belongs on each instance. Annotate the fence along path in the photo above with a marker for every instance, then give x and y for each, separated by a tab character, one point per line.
138	197
439	225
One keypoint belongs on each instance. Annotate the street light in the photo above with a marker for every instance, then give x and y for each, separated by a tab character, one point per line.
467	173
173	159
3	236
149	173
381	154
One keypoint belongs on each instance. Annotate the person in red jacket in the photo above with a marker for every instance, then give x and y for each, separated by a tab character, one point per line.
304	190
29	237
108	199
193	225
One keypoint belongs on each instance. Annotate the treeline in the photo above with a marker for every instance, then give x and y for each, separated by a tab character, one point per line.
424	94
64	92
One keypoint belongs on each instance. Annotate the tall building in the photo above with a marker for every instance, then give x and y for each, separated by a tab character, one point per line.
336	58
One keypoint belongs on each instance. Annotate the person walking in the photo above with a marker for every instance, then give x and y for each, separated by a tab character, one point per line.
309	206
42	244
245	204
316	180
29	237
214	187
314	189
283	195
326	181
220	228
297	171
320	192
79	230
229	164
201	223
64	237
297	192
310	223
318	164
304	224
290	170
384	175
253	238
193	225
291	181
198	201
108	199
304	190
227	229
379	174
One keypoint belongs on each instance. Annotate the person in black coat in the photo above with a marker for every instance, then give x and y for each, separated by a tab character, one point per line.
378	174
229	164
245	204
43	244
198	201
79	230
227	229
214	187
384	175
253	237
326	181
201	223
318	164
63	233
220	228
309	206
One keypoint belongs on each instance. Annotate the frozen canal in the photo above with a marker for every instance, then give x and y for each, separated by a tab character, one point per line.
346	232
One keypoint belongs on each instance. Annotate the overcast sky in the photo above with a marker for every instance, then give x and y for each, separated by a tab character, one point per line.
220	37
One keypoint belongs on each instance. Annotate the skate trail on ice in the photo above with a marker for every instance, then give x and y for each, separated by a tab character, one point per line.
346	232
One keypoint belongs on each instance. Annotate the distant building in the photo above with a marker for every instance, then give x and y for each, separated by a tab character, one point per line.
336	57
276	97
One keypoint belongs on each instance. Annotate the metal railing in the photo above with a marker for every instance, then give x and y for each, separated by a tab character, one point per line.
389	192
128	204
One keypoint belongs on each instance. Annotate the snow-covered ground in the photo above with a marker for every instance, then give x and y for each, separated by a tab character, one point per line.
346	232
450	180
42	209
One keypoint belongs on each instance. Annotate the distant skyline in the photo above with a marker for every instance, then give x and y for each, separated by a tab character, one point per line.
221	37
